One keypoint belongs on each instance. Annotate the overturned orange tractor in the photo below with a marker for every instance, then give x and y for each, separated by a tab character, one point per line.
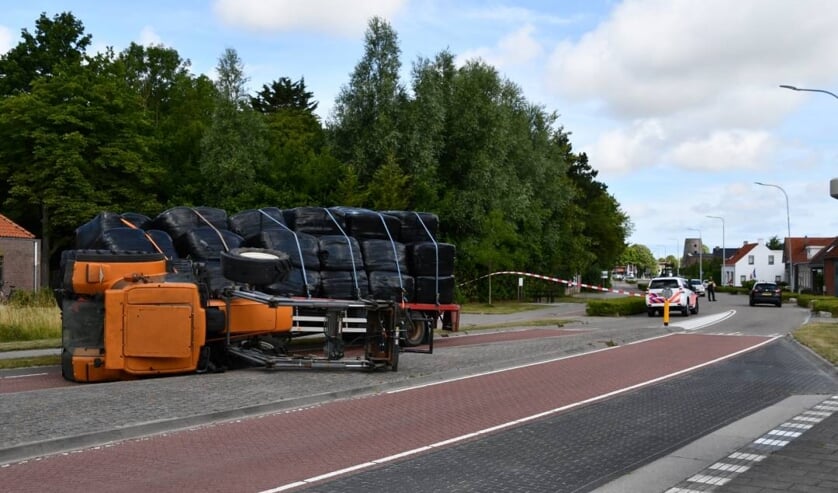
127	315
196	291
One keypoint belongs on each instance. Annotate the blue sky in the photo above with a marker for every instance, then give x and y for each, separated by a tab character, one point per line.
676	102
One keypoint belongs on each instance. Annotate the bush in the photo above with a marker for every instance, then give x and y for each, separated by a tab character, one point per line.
630	305
42	298
825	305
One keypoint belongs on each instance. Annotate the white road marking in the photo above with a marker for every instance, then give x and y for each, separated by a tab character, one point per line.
696	323
23	376
509	424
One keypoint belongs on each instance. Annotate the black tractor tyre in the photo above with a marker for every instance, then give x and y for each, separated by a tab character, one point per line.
416	333
255	266
685	310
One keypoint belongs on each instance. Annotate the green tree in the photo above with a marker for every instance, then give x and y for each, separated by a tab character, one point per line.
75	145
774	243
57	42
234	148
389	188
284	94
605	224
366	126
639	256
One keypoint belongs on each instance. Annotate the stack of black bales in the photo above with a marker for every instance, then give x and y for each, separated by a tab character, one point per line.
127	232
200	234
337	252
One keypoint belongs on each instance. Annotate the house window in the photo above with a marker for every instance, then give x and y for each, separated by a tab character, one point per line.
741	279
771	260
750	260
777	278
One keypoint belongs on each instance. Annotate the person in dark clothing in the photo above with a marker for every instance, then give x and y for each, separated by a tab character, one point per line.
711	290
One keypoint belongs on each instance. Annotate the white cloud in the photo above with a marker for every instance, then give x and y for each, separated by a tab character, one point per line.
516	48
515	15
693	85
623	149
148	37
5	39
723	150
327	16
661	57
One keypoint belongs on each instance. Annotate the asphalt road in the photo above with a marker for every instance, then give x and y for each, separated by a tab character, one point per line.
491	414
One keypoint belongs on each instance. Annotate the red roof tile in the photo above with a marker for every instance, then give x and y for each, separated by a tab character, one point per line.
743	250
799	247
8	229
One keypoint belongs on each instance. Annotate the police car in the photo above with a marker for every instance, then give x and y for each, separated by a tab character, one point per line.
677	290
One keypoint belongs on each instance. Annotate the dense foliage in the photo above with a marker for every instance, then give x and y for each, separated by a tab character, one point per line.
136	131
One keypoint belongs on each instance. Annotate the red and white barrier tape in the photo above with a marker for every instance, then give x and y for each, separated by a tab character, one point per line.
556	280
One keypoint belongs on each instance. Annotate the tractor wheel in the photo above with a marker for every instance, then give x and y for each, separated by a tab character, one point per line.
255	266
417	330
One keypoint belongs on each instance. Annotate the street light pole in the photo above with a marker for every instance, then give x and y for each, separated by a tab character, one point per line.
788	225
677	259
722	276
793	88
700	255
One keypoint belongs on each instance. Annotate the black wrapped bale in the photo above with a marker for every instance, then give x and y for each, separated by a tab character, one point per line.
163	241
250	223
204	243
89	233
415	226
390	286
384	255
427	287
285	241
295	284
124	240
313	220
429	259
136	219
344	285
178	221
338	252
367	224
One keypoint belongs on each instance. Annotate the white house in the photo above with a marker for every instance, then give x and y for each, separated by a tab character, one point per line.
754	261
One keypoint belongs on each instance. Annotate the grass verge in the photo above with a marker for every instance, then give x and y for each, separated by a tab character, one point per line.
820	337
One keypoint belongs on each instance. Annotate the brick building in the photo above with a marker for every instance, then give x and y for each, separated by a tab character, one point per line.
20	254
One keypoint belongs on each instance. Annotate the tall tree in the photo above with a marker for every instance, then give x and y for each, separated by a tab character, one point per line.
234	148
57	42
76	144
180	107
284	94
366	124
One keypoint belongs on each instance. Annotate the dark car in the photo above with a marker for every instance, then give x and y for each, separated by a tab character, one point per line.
765	293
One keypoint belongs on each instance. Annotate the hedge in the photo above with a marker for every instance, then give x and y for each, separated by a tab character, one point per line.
630	305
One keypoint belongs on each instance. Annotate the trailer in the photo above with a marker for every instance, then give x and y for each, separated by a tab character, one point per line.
128	315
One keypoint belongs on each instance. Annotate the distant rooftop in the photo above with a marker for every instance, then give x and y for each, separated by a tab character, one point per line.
9	229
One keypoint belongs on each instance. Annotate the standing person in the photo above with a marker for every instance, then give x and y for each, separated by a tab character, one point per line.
711	290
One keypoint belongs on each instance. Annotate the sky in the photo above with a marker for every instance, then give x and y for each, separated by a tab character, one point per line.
676	103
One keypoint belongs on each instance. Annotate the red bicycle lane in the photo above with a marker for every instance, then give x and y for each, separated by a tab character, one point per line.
284	450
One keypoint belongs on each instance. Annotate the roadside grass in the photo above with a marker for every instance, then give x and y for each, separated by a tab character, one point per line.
820	337
9	364
29	327
29	323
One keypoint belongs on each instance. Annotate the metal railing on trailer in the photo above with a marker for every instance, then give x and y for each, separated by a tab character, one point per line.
382	330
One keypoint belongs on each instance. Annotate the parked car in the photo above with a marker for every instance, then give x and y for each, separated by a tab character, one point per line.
681	296
698	286
765	293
